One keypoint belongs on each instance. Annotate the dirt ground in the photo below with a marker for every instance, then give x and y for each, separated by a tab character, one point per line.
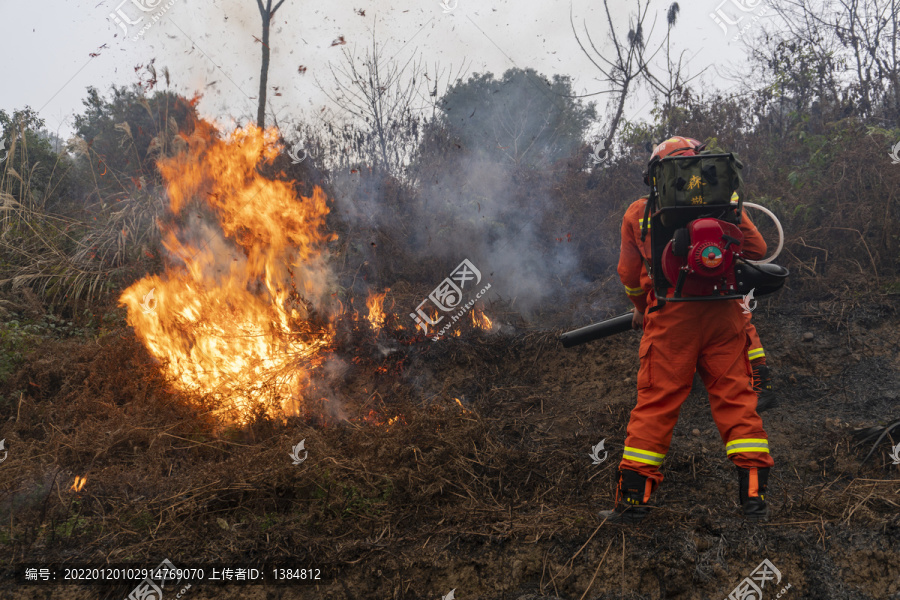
493	496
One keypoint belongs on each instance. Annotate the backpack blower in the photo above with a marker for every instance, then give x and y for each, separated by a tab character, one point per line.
693	216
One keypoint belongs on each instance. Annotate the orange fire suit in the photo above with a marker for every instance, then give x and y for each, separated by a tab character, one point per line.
754	248
679	339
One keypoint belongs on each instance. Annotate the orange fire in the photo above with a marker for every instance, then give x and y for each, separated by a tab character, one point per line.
229	318
375	304
481	320
376	418
79	484
464	409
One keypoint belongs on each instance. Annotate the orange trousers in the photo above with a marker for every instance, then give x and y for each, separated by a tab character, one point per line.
683	337
755	351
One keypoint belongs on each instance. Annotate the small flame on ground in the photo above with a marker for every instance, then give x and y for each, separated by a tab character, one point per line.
464	409
481	320
375	304
79	483
375	418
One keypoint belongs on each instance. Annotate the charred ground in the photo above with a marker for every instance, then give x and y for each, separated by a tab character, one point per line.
493	495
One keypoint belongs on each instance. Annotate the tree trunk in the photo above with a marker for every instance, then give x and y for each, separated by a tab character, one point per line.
266	13
264	72
618	117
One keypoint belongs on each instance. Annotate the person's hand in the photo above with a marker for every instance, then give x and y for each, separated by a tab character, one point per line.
637	319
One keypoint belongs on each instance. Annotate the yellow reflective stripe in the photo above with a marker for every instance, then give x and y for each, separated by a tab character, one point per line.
643	456
747	445
647	452
745	440
640	459
634	291
750	449
641	223
755	353
734	198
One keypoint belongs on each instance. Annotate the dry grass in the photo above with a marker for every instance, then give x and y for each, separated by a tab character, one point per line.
503	470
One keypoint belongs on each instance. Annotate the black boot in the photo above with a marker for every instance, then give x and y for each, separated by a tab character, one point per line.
631	507
752	494
762	385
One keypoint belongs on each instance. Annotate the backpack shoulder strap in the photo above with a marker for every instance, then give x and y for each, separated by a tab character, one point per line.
645	223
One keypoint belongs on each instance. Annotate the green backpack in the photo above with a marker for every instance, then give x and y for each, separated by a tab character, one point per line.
709	181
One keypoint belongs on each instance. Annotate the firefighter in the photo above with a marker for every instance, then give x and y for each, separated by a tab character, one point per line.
683	337
762	379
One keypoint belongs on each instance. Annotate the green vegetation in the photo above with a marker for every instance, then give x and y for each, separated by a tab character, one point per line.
345	500
79	219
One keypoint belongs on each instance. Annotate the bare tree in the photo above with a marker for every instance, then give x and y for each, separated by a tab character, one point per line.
267	13
435	88
629	62
674	83
855	46
383	95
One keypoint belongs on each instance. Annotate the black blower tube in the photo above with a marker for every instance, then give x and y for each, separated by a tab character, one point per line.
596	331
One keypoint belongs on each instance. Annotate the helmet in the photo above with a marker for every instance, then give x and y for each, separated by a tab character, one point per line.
677	146
674	146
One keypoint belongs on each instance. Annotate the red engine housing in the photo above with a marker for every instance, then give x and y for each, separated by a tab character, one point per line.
709	262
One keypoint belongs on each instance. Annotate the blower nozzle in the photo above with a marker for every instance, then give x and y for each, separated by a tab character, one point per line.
596	331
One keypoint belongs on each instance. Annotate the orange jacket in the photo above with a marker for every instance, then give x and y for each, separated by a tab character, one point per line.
632	269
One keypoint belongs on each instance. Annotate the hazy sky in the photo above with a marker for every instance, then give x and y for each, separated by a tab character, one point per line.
54	49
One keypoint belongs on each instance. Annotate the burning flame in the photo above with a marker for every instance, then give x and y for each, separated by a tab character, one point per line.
464	409
375	418
232	320
79	483
375	304
481	320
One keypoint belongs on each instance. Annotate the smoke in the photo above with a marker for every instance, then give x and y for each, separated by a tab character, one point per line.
324	384
489	218
485	199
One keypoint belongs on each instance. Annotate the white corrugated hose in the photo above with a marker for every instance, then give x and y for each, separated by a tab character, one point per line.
780	234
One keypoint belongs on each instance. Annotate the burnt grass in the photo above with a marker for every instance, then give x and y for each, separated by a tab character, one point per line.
493	495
